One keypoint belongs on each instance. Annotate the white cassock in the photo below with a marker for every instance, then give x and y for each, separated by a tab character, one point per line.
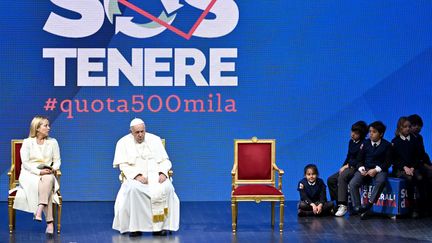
32	155
144	207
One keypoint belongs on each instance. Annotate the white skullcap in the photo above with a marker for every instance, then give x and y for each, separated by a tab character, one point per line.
136	121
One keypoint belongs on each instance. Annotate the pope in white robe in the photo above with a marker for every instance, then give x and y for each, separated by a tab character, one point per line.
146	201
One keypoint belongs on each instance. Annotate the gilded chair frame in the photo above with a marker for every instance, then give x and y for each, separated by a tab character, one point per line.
13	183
257	198
170	172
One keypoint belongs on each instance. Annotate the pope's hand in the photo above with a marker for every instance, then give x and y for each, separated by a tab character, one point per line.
141	179
162	178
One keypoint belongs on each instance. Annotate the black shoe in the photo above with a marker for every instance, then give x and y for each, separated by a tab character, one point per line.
365	215
161	233
301	214
362	210
415	215
37	219
135	234
365	208
354	211
49	233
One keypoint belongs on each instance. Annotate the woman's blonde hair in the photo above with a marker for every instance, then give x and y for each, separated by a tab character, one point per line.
35	124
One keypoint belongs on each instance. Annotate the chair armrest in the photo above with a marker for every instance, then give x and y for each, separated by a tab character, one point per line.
281	173
122	176
234	170
58	173
11	171
233	174
11	175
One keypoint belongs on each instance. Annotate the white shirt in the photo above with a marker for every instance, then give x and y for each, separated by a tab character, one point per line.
377	143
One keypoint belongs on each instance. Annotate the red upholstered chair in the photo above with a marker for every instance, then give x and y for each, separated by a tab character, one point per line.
253	177
14	174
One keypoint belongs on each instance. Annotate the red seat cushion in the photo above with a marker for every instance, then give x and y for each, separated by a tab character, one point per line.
256	190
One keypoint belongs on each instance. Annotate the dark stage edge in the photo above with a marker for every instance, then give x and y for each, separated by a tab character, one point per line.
211	222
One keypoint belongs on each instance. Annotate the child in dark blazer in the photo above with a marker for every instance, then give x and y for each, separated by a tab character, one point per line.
313	198
425	165
338	182
374	160
406	161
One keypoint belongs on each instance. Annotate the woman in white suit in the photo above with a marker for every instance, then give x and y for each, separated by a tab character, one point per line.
40	156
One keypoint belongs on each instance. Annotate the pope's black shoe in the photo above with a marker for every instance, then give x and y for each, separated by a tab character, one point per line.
135	234
161	233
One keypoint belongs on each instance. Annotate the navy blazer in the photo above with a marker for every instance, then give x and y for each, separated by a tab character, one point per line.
353	150
370	157
312	193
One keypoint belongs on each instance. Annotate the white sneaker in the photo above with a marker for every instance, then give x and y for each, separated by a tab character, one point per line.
342	210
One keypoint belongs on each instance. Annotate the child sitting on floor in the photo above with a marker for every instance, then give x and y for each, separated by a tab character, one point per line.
313	198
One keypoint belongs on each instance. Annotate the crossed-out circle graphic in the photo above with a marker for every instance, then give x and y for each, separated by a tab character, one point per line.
224	20
159	24
125	24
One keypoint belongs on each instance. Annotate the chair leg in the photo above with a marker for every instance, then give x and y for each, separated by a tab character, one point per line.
55	214
272	214
14	219
11	215
234	215
281	216
59	213
236	212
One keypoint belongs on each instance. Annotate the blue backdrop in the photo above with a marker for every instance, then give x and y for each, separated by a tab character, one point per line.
306	71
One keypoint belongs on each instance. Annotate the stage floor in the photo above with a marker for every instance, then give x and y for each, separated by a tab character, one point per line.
211	222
